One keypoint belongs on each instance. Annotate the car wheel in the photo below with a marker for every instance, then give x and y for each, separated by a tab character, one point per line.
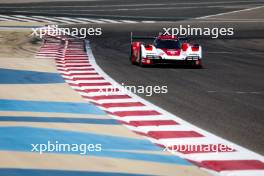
198	64
131	57
140	59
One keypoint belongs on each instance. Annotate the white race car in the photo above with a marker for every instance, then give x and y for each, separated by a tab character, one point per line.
165	49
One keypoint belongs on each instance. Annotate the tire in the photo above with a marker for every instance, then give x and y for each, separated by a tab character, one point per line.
140	59
130	58
199	66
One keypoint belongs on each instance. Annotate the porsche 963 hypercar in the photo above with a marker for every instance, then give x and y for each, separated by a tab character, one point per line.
165	49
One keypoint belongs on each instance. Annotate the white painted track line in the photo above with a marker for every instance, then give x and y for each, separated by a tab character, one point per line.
232	12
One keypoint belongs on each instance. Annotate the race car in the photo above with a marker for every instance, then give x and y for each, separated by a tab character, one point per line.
165	49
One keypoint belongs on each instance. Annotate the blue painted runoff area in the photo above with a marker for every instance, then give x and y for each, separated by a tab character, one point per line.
11	76
49	106
58	120
20	139
43	172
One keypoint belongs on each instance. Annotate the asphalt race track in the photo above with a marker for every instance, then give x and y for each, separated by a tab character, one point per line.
225	97
127	9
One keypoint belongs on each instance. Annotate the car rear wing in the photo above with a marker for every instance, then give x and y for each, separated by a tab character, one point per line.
133	37
183	38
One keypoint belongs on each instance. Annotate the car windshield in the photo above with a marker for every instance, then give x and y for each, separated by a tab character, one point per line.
168	44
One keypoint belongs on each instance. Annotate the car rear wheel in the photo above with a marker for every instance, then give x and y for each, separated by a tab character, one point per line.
198	64
131	57
140	59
